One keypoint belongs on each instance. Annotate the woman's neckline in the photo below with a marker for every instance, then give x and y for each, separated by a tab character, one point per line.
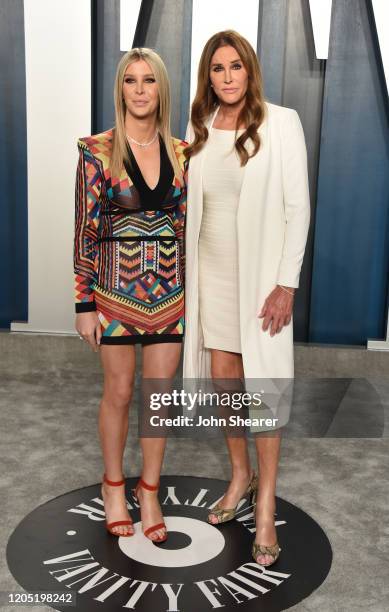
154	196
138	171
218	129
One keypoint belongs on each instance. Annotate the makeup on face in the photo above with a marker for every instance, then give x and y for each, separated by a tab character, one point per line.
140	90
228	75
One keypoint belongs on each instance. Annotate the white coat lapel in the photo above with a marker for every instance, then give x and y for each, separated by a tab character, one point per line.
255	176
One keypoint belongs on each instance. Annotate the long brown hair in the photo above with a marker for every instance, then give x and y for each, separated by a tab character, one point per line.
206	101
119	146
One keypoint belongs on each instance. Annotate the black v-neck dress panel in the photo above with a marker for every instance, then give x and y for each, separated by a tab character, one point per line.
151	199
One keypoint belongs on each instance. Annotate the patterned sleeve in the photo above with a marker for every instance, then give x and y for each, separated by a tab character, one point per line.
179	220
87	215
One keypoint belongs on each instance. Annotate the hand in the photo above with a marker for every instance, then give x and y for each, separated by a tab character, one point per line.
89	328
277	309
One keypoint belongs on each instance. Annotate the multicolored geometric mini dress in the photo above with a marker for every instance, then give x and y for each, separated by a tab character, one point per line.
129	245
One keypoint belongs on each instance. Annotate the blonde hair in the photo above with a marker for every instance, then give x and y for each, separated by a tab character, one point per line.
206	101
119	146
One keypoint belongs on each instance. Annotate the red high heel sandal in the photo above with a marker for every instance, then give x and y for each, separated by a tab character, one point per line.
110	526
144	485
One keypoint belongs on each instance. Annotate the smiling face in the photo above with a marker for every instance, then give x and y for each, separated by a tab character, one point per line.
140	90
228	75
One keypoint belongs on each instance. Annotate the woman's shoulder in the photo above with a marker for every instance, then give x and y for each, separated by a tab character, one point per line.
179	144
277	112
179	147
99	145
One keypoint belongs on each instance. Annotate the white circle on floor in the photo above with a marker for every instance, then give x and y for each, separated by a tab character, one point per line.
207	542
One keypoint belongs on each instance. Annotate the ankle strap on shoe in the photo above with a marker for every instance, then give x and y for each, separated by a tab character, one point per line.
113	483
142	483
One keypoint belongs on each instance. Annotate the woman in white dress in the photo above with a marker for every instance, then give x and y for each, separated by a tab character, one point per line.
247	224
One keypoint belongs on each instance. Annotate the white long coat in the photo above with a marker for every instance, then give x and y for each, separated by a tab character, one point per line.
272	223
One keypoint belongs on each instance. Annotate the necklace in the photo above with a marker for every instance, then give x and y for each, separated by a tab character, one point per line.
143	144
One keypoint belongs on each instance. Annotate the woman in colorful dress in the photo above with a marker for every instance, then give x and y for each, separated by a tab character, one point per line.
246	230
129	266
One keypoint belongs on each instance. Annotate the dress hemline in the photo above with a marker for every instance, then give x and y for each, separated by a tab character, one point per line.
228	345
146	339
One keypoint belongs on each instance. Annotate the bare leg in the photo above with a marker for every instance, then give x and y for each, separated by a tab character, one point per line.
119	368
268	451
225	365
159	361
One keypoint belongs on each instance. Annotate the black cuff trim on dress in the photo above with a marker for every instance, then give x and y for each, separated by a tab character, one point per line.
85	306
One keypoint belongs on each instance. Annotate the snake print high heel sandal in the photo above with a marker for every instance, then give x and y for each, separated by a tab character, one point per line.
228	514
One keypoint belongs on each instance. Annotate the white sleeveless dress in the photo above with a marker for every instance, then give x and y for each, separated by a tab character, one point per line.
218	246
